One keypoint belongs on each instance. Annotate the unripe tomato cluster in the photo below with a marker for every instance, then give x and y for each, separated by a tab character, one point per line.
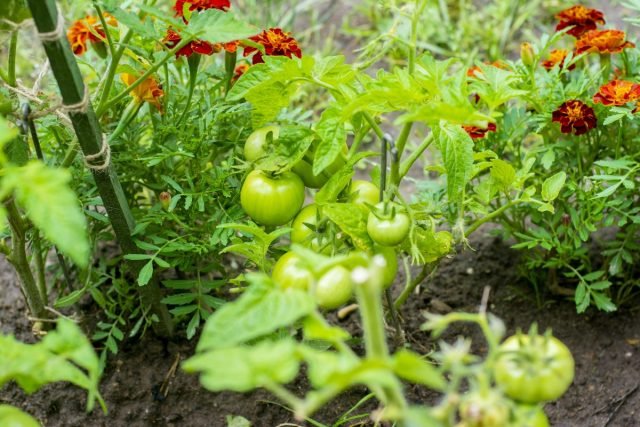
331	290
274	200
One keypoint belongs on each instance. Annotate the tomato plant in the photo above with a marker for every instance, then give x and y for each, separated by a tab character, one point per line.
534	368
387	226
270	200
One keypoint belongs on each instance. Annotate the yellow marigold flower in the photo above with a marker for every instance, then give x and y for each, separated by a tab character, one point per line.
149	90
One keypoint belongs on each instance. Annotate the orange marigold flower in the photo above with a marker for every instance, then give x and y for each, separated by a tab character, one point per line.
605	41
476	132
230	47
276	43
581	18
575	117
557	57
200	5
149	90
173	38
617	92
88	29
471	72
239	71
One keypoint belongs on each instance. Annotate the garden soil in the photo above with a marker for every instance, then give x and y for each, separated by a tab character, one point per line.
606	348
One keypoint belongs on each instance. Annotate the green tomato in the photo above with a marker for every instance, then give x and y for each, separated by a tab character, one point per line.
534	369
272	201
255	146
305	171
334	288
391	268
529	416
364	192
288	273
484	410
387	230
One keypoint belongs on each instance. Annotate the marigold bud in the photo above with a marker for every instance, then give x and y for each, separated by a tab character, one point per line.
527	54
165	200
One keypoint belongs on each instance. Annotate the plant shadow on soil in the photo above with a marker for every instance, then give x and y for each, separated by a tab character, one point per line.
606	348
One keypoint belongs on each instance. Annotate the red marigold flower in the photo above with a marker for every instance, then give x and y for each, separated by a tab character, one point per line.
149	90
575	117
172	39
476	132
605	41
617	92
557	57
200	5
88	29
581	18
276	43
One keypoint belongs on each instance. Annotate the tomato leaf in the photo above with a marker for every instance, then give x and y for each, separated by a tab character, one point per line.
243	368
352	219
58	357
290	147
410	366
456	148
262	309
333	137
51	205
503	174
220	26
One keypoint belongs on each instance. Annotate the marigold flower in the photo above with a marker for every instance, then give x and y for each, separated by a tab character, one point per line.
173	38
581	18
149	90
88	29
617	92
575	117
557	57
276	43
239	71
605	41
471	72
476	132
230	47
200	5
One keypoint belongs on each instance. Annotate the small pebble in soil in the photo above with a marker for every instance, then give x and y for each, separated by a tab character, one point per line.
440	307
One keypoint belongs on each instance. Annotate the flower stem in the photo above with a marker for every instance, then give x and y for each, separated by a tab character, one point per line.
230	69
13	47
